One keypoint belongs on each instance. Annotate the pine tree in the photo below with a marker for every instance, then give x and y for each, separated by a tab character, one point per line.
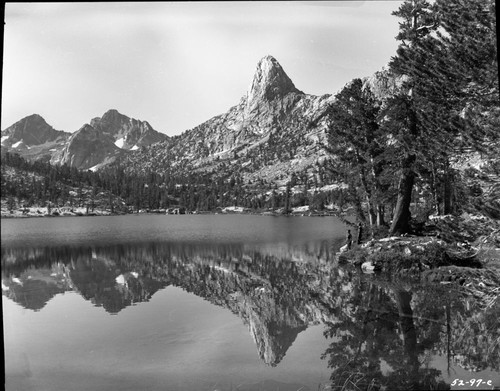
288	195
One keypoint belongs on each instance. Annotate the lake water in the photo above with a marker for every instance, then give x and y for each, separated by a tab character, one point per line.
224	302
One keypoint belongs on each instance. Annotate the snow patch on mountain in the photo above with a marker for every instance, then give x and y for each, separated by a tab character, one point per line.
120	142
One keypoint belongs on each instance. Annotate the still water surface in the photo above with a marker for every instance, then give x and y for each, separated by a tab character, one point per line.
214	302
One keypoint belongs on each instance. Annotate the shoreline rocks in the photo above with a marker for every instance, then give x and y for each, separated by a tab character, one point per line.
430	260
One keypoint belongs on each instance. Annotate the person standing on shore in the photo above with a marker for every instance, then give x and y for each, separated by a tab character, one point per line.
349	239
360	232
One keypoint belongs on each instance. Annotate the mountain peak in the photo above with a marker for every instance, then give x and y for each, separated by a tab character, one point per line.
31	130
35	117
110	119
113	115
268	61
269	82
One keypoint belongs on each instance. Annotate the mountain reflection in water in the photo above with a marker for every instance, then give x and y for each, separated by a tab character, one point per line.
377	332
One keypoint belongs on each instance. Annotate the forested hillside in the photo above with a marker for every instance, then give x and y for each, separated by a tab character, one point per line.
28	184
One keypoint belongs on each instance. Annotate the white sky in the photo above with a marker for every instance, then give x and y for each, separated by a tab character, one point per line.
177	64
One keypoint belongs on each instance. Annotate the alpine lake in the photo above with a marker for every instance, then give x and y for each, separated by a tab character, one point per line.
225	302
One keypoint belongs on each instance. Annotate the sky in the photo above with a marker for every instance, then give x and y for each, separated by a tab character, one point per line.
178	64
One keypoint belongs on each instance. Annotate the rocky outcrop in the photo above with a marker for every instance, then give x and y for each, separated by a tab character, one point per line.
383	83
270	83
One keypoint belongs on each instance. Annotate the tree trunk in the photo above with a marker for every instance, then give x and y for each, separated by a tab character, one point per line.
402	215
377	170
403	300
368	192
448	192
287	199
434	191
357	204
371	212
380	215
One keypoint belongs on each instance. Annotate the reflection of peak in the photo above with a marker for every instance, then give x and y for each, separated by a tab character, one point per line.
273	340
274	321
33	289
103	283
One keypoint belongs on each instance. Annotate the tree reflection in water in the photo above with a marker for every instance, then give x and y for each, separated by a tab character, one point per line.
387	333
380	334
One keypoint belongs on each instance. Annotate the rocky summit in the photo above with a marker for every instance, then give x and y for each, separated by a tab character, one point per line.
127	133
32	137
270	83
105	139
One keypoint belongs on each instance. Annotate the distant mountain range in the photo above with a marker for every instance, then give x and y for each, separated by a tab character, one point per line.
93	145
275	130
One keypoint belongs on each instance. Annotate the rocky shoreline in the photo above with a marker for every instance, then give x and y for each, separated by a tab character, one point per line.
444	258
55	212
80	211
